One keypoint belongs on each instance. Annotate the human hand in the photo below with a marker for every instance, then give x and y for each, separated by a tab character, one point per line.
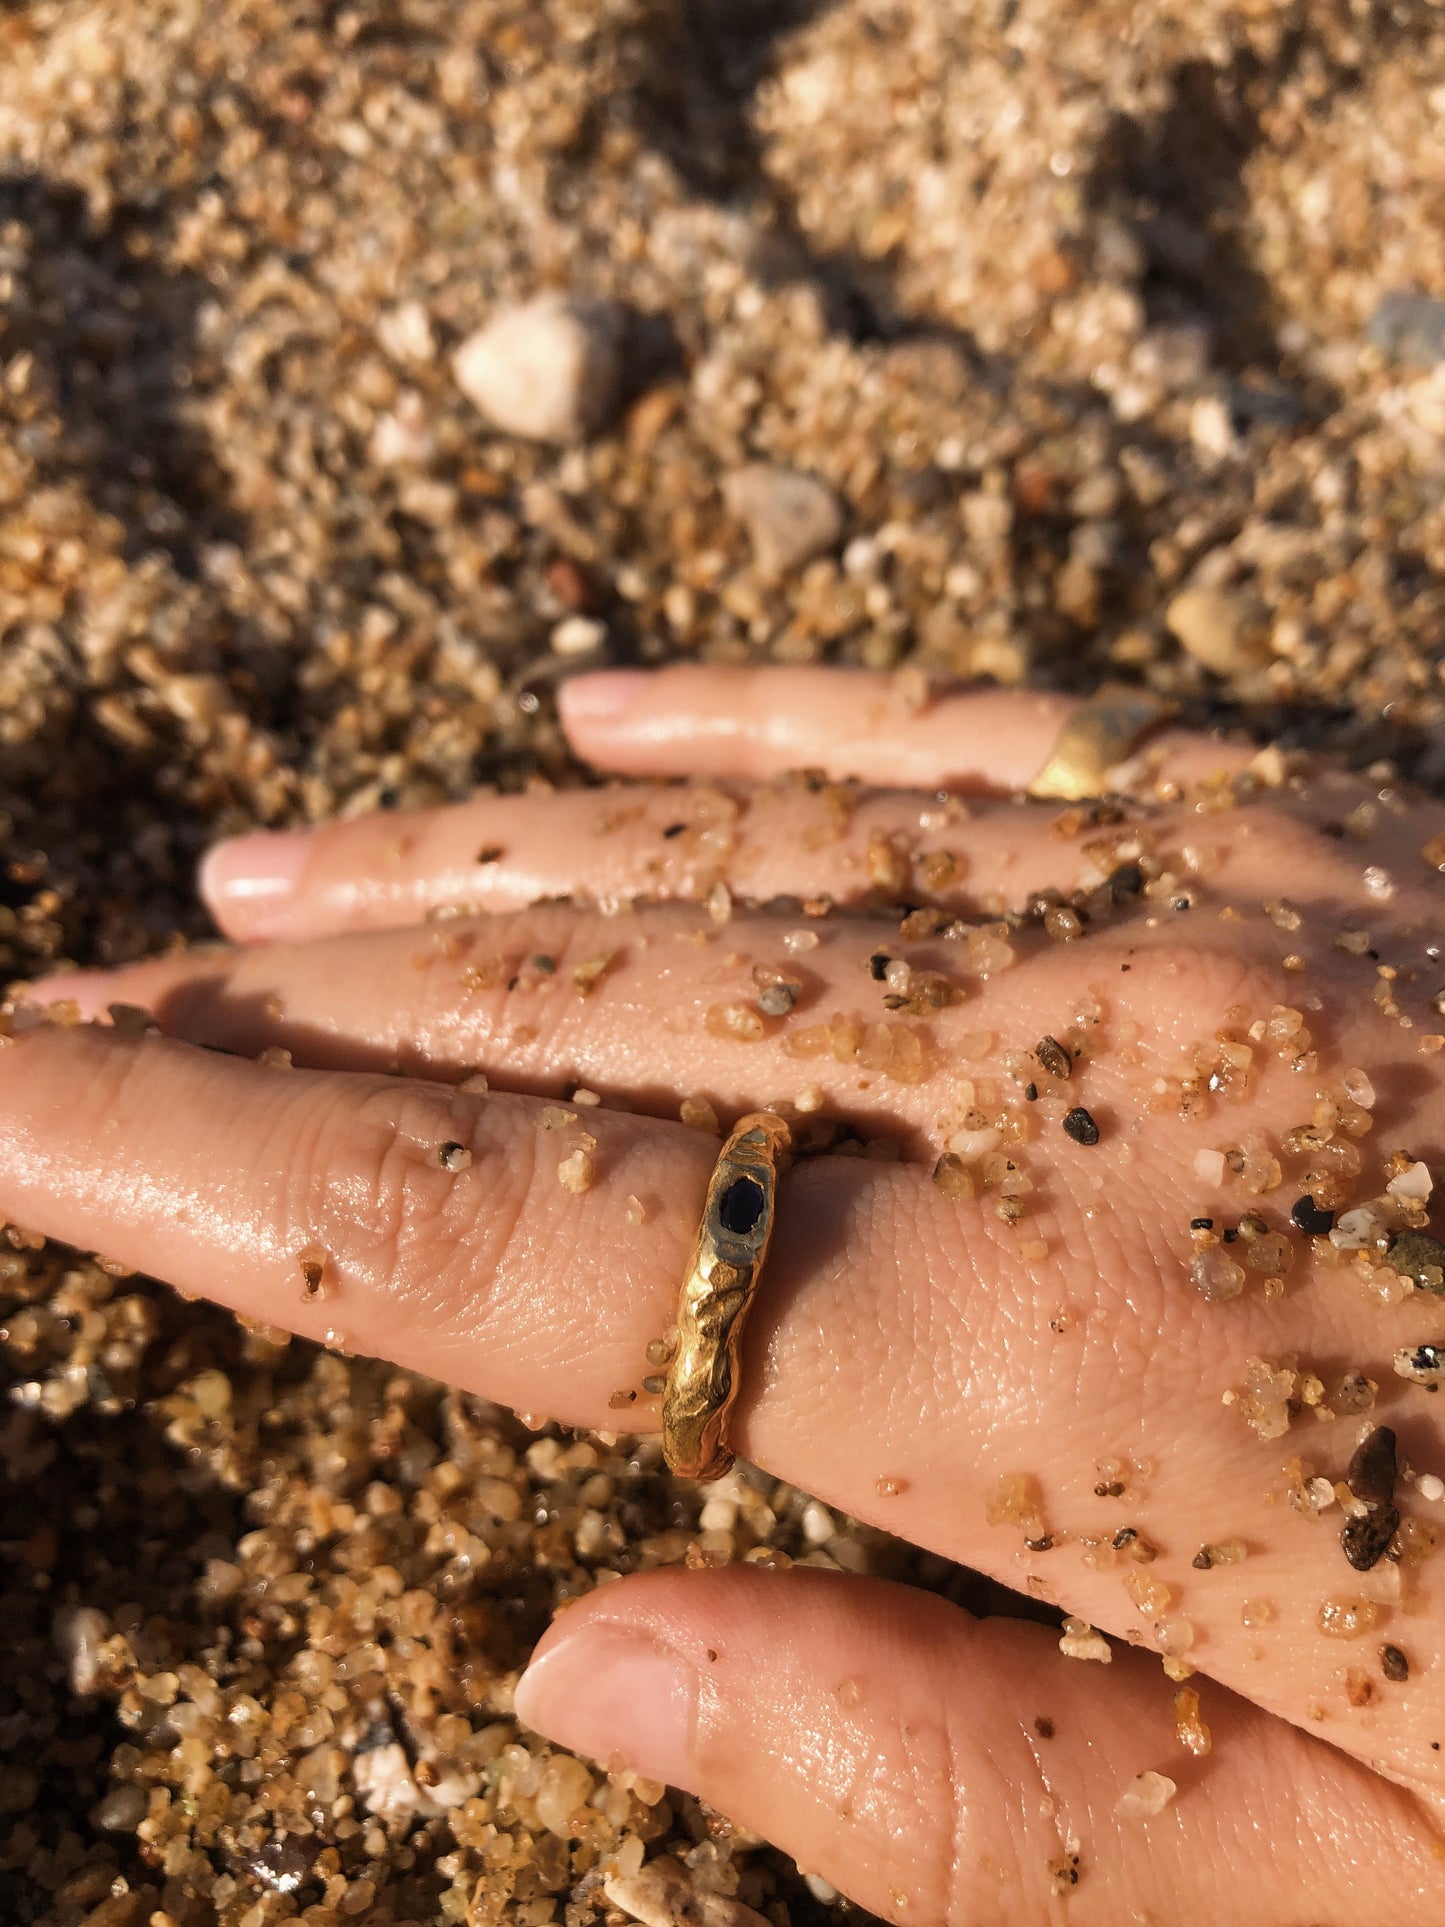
918	1357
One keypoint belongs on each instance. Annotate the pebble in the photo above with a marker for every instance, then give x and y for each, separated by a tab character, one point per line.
549	371
562	1795
405	333
662	1894
1080	1126
1219	630
1146	1795
578	635
1306	1215
1409	328
791	517
1421	1364
1417	1255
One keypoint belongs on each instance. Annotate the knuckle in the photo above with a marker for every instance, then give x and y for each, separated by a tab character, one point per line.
367	1168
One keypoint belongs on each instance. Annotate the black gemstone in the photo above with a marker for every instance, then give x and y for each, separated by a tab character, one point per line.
1201	1224
1080	1126
1307	1216
740	1206
1031	1092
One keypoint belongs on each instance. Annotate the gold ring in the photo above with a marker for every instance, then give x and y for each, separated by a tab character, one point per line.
1102	733
727	1261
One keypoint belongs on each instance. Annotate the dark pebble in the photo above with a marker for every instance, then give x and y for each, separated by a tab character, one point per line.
1394	1665
1125	882
1307	1216
674	829
776	1000
1414	1253
1373	1470
1201	1224
1054	1058
878	965
1366	1540
492	854
1080	1126
1031	1092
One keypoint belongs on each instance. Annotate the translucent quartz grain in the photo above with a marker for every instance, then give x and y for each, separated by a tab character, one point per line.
1151	1596
1189	1728
1346	1618
739	1022
1215	1275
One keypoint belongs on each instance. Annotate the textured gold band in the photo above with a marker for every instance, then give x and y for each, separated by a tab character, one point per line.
727	1260
1102	733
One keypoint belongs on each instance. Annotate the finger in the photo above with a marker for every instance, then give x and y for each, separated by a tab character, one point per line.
817	844
910	1356
934	1767
688	720
218	1175
649	1008
496	854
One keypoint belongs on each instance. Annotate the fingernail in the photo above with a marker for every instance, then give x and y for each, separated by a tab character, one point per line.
618	1696
601	696
253	874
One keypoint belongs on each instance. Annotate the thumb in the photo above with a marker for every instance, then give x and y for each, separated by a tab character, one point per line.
936	1767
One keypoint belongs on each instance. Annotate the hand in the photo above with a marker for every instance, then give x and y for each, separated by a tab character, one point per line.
1032	1379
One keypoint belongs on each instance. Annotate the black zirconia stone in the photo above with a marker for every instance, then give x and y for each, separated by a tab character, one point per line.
740	1206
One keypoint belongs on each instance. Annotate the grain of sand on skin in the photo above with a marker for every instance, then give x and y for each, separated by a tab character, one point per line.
261	562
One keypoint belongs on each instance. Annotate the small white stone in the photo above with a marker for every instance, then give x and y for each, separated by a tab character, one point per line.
662	1894
1421	1364
818	1524
550	370
79	1633
1414	1185
1209	1166
1430	1487
405	333
1081	1641
384	1782
403	438
791	517
1144	1796
578	635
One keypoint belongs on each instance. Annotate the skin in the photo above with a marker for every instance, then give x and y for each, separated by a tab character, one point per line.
909	1349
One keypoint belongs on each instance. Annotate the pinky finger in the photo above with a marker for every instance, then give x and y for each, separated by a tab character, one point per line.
939	1768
